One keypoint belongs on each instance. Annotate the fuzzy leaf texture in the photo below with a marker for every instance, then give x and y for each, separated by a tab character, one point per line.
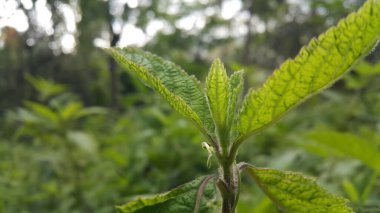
181	199
293	192
235	86
182	91
223	93
217	93
317	66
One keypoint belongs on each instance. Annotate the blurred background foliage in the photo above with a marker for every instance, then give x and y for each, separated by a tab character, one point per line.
79	135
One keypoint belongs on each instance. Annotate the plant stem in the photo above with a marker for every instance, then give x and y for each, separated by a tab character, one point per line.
229	186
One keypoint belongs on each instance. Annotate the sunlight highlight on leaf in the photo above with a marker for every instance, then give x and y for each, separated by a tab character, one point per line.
294	192
217	93
316	67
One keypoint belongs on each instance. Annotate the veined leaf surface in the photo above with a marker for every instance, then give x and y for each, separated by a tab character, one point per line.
236	82
183	92
317	66
217	93
181	199
293	192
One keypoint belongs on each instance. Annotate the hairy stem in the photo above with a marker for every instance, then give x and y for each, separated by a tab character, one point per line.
228	185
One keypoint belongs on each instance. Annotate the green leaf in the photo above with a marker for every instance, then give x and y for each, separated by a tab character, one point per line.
366	69
180	199
293	192
345	145
42	111
45	88
236	82
350	190
83	140
317	66
370	185
217	92
88	111
70	110
183	92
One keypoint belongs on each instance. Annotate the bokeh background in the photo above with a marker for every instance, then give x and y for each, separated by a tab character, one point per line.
77	134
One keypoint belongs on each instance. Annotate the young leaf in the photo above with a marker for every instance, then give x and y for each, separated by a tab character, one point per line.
235	86
217	93
180	199
183	92
317	66
293	192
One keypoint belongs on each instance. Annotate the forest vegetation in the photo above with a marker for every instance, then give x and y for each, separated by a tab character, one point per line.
79	134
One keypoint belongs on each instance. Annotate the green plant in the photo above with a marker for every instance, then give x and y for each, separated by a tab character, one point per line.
53	128
214	112
327	143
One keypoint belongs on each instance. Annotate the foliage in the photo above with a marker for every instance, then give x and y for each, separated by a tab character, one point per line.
137	141
293	192
180	199
318	65
57	166
345	145
183	92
